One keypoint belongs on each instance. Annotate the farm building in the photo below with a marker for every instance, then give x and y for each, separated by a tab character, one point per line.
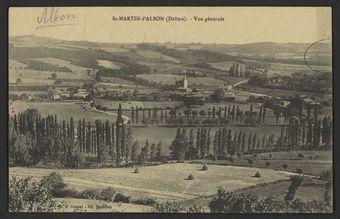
81	95
230	96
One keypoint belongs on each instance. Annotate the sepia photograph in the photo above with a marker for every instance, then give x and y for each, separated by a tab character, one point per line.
170	109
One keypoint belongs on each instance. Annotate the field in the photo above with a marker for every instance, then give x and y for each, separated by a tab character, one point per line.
149	54
224	66
63	110
311	189
287	69
162	182
167	134
171	79
282	93
144	104
108	64
115	80
28	76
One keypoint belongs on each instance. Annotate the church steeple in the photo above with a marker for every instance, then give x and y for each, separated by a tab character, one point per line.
185	82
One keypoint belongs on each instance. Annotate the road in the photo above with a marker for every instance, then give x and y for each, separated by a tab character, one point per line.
231	88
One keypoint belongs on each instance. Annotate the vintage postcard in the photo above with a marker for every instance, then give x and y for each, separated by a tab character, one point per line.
170	109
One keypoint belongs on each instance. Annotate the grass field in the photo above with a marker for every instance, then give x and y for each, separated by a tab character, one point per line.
171	78
306	192
167	134
116	80
63	110
288	69
110	104
108	64
224	66
149	54
282	92
17	70
163	182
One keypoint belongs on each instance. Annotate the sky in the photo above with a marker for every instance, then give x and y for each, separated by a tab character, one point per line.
241	24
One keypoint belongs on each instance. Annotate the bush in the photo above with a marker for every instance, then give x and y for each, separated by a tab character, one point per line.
145	201
191	177
167	207
205	167
268	164
69	193
250	162
56	182
326	175
301	156
27	196
119	197
284	166
79	160
136	170
195	209
108	194
299	171
226	202
257	175
90	194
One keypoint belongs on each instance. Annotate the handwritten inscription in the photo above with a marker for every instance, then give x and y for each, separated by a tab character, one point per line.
51	17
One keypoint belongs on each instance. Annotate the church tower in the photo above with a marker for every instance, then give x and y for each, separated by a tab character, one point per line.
185	82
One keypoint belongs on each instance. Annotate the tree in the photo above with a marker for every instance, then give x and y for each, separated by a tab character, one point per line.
18	81
250	162
159	151
268	164
56	182
178	146
128	142
25	195
296	181
147	150
218	95
54	76
135	152
153	152
119	128
202	113
284	166
21	150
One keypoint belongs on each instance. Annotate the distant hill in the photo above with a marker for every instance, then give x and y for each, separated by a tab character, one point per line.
291	53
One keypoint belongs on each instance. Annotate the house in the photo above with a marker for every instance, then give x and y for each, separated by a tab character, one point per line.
194	99
55	97
81	95
230	96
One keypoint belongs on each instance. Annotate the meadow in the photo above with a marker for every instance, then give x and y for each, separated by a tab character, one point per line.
149	54
171	79
287	69
224	66
167	134
18	70
162	182
311	189
63	110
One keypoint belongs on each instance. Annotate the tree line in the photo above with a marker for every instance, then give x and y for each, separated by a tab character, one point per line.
200	143
213	116
33	139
